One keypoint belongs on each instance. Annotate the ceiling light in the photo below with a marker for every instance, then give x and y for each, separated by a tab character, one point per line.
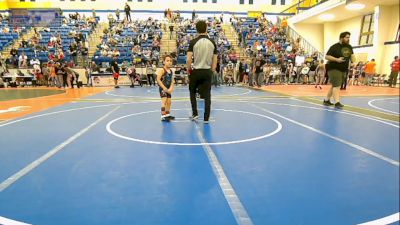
326	17
355	6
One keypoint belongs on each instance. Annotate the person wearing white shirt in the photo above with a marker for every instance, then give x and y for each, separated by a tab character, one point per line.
36	65
22	60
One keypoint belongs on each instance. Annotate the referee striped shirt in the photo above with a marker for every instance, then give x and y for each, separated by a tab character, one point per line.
203	49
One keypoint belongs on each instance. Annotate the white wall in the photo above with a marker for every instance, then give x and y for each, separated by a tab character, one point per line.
385	28
387	20
313	33
352	25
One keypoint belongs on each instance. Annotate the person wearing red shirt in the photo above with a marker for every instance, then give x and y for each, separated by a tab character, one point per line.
51	56
395	67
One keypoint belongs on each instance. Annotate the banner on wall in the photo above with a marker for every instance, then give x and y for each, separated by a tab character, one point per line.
254	14
108	80
22	17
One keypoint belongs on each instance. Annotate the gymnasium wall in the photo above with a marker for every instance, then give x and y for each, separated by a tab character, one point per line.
385	29
388	25
155	5
313	33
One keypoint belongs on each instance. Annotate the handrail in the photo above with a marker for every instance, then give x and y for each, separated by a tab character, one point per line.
307	46
296	5
301	5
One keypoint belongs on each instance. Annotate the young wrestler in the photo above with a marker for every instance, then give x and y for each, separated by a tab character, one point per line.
166	87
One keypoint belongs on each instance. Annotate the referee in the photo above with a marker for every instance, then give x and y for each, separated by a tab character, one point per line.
204	53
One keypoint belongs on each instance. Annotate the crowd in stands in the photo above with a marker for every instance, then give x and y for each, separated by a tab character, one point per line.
56	43
136	41
268	55
9	32
53	51
282	59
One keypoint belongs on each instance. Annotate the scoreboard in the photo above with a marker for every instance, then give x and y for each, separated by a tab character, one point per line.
34	17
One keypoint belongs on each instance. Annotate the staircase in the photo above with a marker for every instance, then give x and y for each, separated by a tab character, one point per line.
28	35
304	44
96	38
232	37
168	45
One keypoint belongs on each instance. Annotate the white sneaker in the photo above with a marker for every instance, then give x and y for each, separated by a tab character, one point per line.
193	118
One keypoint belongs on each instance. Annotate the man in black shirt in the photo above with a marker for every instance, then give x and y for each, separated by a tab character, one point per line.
204	53
193	14
115	71
14	56
258	71
127	10
73	51
171	31
339	57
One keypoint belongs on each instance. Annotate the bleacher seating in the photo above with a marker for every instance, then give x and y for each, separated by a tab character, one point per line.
6	39
53	30
125	47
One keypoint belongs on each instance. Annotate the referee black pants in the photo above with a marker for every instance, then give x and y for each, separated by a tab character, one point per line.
200	80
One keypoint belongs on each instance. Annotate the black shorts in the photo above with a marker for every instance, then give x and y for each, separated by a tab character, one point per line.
164	94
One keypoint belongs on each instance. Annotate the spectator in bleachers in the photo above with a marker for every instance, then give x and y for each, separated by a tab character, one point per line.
24	43
115	53
14	56
51	44
35	63
22	61
110	19
6	30
165	13
194	14
117	14
70	64
73	52
127	10
52	56
60	55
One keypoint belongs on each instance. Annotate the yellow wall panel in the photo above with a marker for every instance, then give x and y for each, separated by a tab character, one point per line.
3	5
